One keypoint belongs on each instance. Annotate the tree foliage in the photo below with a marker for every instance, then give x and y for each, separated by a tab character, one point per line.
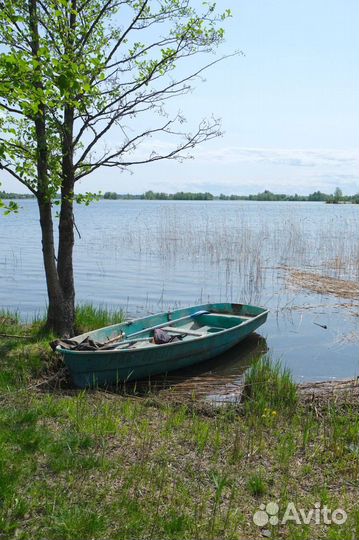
106	62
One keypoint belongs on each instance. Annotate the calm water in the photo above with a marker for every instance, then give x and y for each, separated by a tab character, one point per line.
148	256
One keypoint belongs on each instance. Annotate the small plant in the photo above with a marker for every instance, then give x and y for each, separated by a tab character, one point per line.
309	429
286	449
220	482
237	448
256	485
201	433
76	522
175	418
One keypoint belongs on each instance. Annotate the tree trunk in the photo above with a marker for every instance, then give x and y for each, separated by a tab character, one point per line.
60	289
55	312
66	224
65	261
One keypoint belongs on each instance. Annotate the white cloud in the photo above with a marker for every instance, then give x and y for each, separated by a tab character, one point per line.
295	157
232	169
213	153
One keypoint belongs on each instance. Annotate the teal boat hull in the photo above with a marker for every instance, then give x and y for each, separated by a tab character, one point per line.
102	368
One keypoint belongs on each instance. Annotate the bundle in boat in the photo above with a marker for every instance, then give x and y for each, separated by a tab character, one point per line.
160	337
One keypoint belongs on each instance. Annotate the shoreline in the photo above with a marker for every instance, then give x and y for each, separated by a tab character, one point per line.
338	390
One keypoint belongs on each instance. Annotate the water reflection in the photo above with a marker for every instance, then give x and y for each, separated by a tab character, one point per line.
217	379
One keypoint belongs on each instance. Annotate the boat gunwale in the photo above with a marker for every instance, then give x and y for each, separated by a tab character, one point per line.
154	345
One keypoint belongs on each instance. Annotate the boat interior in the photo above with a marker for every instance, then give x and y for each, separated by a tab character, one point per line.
193	327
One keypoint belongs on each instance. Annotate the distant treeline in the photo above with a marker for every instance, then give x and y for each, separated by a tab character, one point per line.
317	196
160	196
335	198
5	195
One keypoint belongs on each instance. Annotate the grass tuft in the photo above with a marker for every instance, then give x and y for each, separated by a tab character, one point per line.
269	389
90	317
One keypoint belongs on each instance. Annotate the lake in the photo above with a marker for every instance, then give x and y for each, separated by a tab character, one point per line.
149	256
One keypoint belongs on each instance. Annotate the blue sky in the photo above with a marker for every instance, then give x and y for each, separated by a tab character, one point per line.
289	107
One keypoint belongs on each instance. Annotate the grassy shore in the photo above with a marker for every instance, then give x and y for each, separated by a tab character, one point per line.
95	464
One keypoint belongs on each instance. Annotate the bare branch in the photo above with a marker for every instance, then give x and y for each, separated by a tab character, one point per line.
177	87
129	28
204	132
11	109
15	175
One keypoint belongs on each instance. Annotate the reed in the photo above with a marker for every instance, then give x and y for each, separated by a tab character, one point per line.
244	254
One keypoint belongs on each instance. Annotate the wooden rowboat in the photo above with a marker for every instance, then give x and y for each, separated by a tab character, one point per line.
126	351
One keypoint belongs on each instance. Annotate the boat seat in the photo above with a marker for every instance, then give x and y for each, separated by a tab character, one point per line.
180	331
237	315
